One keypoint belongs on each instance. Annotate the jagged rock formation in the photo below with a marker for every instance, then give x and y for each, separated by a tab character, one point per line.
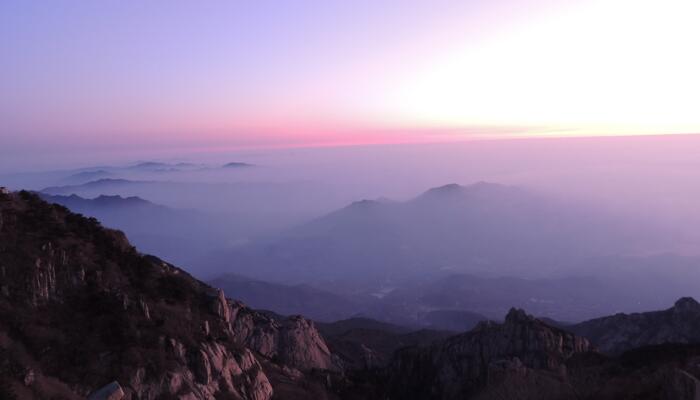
621	332
522	348
524	358
81	308
294	342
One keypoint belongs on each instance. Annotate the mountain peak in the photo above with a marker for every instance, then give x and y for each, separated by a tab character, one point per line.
450	188
149	164
236	164
105	181
516	315
119	200
362	205
454	189
687	304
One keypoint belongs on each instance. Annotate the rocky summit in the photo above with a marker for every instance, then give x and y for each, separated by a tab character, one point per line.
525	358
522	349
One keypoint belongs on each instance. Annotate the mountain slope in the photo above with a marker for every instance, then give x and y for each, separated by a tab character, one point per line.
463	365
178	235
363	343
622	332
481	228
80	308
526	359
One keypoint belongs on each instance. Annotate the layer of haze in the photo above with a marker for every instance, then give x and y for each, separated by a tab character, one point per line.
593	225
653	176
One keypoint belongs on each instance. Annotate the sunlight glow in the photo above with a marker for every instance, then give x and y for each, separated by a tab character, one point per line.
605	66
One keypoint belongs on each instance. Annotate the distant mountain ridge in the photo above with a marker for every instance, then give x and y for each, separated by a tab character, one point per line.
462	229
99	201
236	164
91	185
86	176
175	234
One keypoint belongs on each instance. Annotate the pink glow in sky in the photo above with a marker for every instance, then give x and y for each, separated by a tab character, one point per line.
92	75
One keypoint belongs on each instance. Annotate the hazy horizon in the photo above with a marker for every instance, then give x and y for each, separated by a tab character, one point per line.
133	79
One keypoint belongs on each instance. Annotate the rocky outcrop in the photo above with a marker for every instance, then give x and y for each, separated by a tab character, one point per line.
204	372
621	332
87	309
302	346
526	359
522	349
293	341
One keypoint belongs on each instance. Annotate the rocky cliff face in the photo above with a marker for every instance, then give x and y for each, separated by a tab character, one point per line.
621	332
522	348
526	359
80	308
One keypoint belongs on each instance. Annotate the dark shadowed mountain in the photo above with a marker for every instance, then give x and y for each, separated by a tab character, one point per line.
80	308
622	332
363	343
104	201
485	229
462	366
525	358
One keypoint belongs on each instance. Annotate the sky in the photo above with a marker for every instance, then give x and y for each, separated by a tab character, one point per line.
133	75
